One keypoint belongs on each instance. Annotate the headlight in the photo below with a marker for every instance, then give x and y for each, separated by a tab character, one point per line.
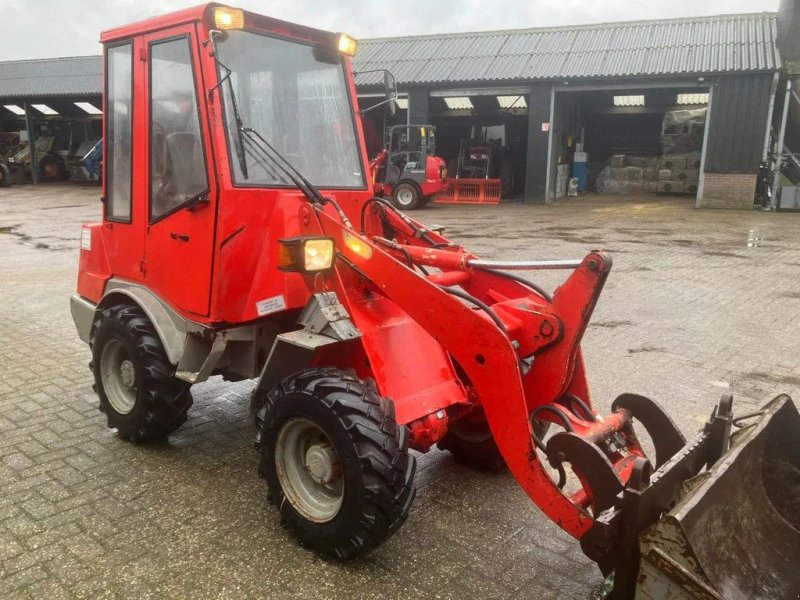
347	45
305	254
228	18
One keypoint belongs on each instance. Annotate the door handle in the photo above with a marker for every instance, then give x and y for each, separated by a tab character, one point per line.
179	236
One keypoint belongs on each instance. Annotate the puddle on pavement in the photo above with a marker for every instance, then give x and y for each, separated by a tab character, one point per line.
792	380
754	239
610	324
723	253
7	229
646	348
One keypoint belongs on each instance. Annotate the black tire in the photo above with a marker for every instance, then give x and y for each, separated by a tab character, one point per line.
406	196
51	168
471	444
5	176
374	464
159	402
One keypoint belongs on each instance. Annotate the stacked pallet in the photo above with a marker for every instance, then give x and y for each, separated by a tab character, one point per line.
678	174
642	174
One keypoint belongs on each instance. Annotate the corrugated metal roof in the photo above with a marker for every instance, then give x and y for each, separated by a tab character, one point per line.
717	44
73	76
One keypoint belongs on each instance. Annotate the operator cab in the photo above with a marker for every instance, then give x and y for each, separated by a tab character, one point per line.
210	113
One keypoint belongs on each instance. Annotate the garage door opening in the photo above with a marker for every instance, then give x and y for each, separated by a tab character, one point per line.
483	135
629	142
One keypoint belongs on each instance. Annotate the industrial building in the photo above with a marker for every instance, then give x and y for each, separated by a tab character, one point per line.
613	95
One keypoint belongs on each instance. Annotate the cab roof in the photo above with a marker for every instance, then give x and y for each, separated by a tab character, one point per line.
204	14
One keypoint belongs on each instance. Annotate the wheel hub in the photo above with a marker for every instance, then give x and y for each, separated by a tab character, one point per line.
127	374
322	463
118	375
309	470
405	197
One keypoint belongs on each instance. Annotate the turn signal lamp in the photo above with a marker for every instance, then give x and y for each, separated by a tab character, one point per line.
305	255
357	245
228	18
347	45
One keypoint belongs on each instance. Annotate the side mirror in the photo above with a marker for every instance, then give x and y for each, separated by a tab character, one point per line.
390	90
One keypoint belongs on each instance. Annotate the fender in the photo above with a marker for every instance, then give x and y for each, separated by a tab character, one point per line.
172	328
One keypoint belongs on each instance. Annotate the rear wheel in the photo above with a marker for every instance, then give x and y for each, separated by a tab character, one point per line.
336	462
134	380
472	444
406	196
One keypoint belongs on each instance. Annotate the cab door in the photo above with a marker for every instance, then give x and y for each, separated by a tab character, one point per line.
181	191
124	202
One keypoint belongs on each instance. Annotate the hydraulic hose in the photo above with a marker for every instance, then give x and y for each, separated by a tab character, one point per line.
483	306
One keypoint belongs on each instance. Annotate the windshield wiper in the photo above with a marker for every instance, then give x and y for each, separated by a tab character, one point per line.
236	116
310	191
287	168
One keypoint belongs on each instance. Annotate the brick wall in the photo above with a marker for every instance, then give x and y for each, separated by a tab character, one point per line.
728	190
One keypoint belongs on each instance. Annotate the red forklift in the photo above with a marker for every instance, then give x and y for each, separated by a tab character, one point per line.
240	237
407	169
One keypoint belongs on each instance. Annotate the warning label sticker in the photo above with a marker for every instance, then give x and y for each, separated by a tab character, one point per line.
86	239
270	305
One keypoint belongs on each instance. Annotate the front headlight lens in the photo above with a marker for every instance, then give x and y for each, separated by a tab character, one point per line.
317	255
305	254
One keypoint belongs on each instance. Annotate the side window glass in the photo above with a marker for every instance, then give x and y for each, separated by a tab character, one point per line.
177	165
119	113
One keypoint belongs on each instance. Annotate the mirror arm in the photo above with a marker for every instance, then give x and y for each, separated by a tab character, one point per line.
364	111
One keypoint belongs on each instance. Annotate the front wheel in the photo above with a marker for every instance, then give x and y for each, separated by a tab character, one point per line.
406	196
336	462
134	380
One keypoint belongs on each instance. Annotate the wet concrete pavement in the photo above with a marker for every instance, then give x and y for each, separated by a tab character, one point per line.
698	303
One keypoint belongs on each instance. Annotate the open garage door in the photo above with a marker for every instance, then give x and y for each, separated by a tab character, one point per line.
639	143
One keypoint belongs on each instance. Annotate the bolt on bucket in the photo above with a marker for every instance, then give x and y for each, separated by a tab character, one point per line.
735	533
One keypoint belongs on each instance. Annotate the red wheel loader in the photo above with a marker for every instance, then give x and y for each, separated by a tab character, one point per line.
240	237
407	170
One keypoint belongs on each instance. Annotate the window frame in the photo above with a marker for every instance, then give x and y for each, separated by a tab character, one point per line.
106	146
291	186
193	66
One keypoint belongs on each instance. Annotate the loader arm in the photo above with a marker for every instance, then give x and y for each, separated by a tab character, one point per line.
485	354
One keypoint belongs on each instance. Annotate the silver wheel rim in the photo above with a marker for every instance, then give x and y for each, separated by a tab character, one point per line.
309	470
118	375
405	196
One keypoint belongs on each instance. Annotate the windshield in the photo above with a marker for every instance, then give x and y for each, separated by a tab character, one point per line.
298	101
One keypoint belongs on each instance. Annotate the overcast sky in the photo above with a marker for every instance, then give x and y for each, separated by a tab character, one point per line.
47	28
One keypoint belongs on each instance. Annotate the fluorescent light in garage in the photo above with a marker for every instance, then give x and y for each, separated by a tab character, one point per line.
629	100
44	109
17	110
693	98
512	102
402	103
458	103
88	107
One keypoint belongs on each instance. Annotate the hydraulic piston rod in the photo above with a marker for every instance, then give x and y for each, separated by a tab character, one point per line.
523	265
